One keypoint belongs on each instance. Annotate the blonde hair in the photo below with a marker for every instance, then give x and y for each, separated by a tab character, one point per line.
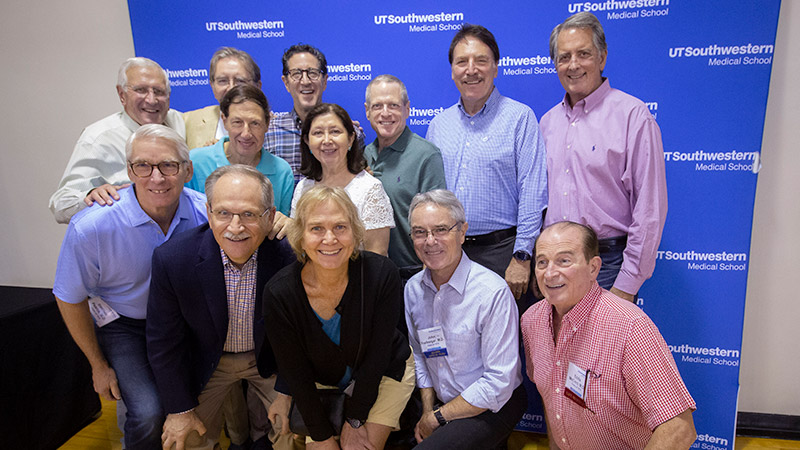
312	198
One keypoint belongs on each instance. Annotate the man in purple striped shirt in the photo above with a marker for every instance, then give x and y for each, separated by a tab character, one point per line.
605	160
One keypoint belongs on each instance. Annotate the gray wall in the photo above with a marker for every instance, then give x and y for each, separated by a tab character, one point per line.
59	75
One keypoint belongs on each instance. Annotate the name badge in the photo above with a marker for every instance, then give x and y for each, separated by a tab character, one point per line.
101	312
576	384
432	342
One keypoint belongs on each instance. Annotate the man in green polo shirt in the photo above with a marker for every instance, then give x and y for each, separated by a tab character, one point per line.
405	163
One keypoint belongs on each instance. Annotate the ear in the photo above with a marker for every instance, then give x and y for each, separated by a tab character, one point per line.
324	84
366	110
258	85
603	59
286	83
208	209
594	266
464	228
121	93
189	171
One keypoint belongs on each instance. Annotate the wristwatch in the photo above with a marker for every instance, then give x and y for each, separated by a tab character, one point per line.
355	423
439	417
522	255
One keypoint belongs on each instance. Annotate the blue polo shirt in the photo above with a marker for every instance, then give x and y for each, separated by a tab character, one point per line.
107	251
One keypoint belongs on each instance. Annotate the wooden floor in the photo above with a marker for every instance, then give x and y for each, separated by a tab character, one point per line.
103	434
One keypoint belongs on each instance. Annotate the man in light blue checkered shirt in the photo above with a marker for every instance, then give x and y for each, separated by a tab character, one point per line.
494	160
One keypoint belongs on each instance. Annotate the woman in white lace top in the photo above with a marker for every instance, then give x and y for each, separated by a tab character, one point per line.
332	156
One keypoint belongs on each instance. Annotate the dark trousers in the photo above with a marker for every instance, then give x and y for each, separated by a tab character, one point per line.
485	431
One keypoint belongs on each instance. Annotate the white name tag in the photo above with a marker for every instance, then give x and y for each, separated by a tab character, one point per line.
101	312
576	384
432	342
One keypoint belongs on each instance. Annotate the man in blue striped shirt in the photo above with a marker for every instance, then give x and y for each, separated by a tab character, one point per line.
494	160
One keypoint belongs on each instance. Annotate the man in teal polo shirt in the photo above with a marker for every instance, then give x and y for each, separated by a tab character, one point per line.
405	163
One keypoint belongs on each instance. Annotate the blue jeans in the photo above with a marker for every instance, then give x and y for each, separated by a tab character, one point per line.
612	263
123	344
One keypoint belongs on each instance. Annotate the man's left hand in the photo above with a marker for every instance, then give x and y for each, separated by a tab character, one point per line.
355	438
177	428
426	426
517	275
622	294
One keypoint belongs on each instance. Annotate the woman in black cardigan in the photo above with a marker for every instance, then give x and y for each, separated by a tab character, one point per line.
313	315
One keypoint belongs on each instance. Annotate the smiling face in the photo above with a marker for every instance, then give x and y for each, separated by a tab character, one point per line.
329	142
578	63
246	125
386	111
238	194
305	93
328	236
145	97
440	255
562	271
158	194
473	71
230	72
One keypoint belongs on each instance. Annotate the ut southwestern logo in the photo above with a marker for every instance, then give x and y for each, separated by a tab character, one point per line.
423	22
727	55
732	161
349	72
707	261
422	116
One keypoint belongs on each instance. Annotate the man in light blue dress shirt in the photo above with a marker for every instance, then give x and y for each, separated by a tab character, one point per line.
494	160
463	326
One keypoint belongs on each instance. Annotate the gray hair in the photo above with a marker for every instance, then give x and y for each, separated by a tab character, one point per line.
230	52
584	20
130	63
442	198
386	78
158	131
242	170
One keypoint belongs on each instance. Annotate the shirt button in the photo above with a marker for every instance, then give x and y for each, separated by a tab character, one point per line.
567	170
565	193
467	144
563	217
569	146
574	329
558	391
563	439
472	122
558	363
463	166
558	416
573	124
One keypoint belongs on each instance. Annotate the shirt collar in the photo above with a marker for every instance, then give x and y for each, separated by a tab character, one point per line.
137	216
580	312
591	101
129	122
228	264
494	97
457	281
400	144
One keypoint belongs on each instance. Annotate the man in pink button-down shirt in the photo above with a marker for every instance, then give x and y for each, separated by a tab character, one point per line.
605	160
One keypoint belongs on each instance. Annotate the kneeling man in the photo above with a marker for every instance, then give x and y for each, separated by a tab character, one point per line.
606	376
205	324
463	326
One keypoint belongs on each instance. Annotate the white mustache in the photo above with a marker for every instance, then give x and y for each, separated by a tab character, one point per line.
236	237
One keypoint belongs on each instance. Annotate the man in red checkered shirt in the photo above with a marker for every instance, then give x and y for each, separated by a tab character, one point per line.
605	374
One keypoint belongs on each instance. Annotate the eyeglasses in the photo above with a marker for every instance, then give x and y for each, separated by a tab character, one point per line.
145	169
247	217
144	90
421	234
390	106
297	74
225	81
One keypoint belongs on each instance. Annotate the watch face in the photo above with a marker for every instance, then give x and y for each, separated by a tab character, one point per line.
355	423
522	255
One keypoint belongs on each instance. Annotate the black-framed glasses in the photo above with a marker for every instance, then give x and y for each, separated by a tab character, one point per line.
421	234
145	169
313	74
223	215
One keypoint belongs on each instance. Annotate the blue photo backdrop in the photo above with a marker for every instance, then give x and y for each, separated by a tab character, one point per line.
702	67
